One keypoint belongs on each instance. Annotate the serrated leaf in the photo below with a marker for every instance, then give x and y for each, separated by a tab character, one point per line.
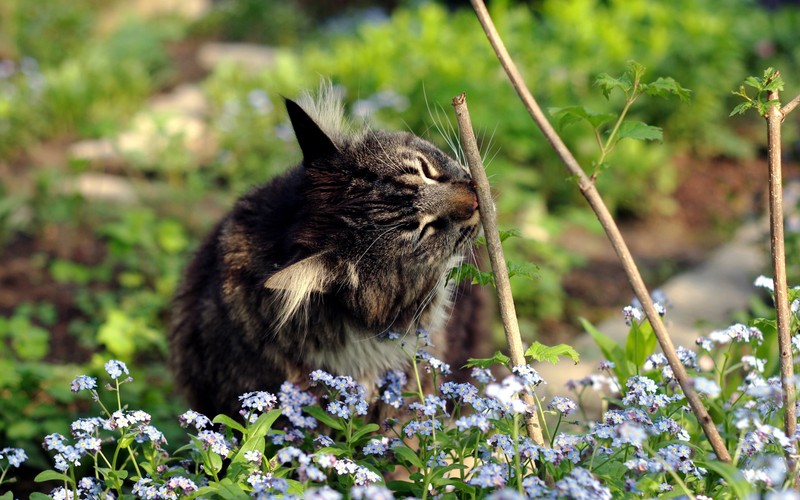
664	87
509	233
467	271
497	358
524	269
607	83
573	114
741	108
540	352
639	131
324	417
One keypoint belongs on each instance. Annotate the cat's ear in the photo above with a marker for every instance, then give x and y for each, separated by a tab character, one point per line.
294	284
314	142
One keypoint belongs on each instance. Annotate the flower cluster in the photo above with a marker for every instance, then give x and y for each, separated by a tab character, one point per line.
346	397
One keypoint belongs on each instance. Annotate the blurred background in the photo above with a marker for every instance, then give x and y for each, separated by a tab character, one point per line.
128	127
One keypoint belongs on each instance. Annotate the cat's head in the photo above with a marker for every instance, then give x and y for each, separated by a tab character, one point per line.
388	214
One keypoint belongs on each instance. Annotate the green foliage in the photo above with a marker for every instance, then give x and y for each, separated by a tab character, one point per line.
770	82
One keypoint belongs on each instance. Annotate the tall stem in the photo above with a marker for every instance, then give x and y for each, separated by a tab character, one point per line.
774	119
503	285
589	191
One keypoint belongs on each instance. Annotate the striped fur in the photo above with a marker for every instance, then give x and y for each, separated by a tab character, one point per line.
310	270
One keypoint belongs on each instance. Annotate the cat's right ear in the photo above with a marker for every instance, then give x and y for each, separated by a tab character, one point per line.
313	141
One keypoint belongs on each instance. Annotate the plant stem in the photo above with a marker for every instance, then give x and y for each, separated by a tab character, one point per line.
499	267
589	191
774	119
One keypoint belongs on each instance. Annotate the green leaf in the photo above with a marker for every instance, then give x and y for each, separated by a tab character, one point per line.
639	131
51	475
229	422
607	84
324	417
732	476
611	350
34	496
573	114
509	233
524	269
367	429
263	424
540	352
664	87
407	455
499	358
467	271
741	108
641	343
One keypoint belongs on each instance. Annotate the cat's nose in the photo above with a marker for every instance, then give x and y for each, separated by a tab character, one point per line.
463	203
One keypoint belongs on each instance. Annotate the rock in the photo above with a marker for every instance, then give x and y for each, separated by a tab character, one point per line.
706	295
251	56
103	187
186	99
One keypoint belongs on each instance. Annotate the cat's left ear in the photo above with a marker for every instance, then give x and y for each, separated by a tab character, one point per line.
295	283
314	142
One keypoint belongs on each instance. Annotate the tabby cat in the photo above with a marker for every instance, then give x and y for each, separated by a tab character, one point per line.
313	269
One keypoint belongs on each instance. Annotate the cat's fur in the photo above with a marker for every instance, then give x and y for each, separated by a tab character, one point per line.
312	269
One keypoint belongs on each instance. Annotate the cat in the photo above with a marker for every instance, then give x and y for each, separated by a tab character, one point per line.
313	269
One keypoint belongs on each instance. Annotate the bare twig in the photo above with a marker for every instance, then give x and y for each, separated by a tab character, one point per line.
774	118
591	194
790	106
492	235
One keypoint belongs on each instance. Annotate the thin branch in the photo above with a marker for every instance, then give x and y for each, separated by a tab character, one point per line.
591	194
774	118
499	268
790	106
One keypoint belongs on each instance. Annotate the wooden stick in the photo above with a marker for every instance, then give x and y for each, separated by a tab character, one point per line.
591	194
774	118
502	283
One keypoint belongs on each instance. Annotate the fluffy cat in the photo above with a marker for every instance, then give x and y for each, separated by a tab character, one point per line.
313	269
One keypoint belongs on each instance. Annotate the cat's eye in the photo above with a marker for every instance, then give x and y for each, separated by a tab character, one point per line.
432	226
429	173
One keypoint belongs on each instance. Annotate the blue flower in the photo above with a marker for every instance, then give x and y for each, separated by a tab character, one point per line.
474	421
116	368
216	442
260	401
422	428
371	492
563	405
482	375
376	446
323	441
580	484
15	456
292	401
707	386
430	406
490	475
195	419
392	385
83	383
528	374
338	409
